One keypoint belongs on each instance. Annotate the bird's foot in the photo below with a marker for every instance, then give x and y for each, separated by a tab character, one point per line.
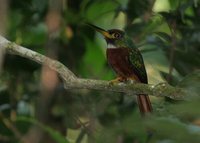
117	80
131	81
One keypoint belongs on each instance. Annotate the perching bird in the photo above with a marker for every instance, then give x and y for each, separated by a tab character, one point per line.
126	60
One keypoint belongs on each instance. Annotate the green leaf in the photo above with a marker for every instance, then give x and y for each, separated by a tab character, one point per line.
165	36
98	9
172	129
136	8
53	133
174	3
191	83
37	35
94	62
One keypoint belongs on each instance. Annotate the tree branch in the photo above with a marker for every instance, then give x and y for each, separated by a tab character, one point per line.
71	81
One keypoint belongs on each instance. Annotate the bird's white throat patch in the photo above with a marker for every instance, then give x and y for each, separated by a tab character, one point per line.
111	46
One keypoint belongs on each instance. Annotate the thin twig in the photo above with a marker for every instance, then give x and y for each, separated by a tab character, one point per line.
11	126
172	27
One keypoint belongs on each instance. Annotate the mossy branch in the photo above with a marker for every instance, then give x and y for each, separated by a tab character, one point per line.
71	81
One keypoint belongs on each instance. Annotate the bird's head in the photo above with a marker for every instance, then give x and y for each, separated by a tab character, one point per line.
115	38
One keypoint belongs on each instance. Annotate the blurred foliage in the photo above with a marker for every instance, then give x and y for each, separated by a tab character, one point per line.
166	31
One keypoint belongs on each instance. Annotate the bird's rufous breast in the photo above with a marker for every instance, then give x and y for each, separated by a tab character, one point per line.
118	58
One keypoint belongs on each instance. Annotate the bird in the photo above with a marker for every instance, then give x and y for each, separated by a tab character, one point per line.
127	62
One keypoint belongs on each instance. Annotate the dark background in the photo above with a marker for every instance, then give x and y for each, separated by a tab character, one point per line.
35	107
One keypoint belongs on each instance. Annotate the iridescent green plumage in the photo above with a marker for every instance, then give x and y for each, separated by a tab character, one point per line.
138	65
134	55
126	60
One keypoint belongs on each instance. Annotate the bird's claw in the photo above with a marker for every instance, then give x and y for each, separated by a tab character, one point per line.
121	79
116	81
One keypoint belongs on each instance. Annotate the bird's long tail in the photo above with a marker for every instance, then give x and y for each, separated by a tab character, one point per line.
144	104
143	100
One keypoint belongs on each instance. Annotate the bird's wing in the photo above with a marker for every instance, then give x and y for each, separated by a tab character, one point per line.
137	63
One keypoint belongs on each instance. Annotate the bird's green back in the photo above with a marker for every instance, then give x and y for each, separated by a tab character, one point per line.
135	59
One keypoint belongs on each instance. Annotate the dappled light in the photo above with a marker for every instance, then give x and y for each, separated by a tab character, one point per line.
60	82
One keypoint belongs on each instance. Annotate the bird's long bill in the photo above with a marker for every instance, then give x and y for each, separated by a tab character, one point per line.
100	30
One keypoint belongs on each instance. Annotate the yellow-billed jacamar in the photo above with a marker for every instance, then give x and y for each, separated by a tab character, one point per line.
127	62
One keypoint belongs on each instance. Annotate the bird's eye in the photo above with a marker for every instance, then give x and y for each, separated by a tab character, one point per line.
116	35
